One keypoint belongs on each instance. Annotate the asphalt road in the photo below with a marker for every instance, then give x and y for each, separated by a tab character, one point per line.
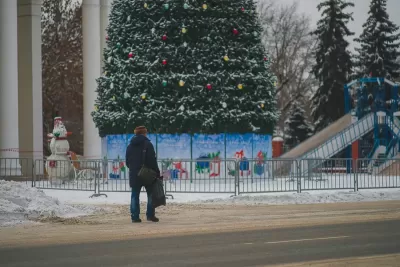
253	248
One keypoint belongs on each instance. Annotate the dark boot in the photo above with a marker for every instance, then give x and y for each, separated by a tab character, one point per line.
136	220
153	219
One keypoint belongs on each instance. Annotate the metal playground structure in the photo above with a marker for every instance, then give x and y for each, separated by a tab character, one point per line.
371	110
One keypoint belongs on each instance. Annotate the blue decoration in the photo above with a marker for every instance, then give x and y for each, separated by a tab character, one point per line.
244	164
259	169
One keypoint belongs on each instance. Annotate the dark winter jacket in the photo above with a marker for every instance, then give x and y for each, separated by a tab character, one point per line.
134	158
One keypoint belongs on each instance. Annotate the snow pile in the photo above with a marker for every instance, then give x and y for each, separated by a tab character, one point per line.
20	202
308	198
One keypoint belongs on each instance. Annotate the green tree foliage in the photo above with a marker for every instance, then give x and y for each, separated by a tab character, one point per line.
333	62
297	128
380	43
185	66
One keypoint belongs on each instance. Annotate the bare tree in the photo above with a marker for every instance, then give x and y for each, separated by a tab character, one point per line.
62	68
287	38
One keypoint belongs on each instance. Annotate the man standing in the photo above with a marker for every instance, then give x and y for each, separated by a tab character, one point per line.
134	160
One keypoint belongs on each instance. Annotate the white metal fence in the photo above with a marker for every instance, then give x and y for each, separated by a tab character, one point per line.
230	176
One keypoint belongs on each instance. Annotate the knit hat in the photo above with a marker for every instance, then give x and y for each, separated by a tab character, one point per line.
140	130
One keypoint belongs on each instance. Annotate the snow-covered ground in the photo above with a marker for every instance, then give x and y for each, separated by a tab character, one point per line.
313	197
247	184
20	203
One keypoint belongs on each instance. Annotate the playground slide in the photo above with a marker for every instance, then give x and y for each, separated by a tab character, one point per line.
342	139
338	142
327	143
389	168
319	138
380	150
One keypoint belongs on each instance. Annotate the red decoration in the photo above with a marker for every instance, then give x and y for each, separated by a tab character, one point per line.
239	155
209	86
130	55
242	9
107	38
265	58
164	62
235	31
164	37
52	164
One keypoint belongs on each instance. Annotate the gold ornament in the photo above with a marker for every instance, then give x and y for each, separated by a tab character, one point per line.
226	58
262	105
275	84
240	86
205	6
105	73
96	108
184	30
113	98
181	83
143	96
146	5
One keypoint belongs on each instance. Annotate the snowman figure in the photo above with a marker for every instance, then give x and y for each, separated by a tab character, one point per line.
58	165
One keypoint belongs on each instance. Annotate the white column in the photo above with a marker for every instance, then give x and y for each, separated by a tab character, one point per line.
8	88
105	10
30	79
91	71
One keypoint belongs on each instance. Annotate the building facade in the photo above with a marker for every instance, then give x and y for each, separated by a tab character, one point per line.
21	115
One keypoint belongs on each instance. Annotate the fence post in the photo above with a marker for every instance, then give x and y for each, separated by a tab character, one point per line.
165	190
97	176
33	173
165	180
356	175
237	182
298	174
97	192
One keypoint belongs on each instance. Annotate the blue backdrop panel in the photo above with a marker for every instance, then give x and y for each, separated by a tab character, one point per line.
104	147
262	144
173	146
205	144
239	146
116	146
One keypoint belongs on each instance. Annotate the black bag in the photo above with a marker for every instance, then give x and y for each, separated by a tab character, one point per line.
157	194
146	175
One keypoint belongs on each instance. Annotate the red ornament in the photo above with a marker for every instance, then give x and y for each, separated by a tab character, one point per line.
130	55
265	58
107	38
164	37
235	31
164	62
209	86
242	9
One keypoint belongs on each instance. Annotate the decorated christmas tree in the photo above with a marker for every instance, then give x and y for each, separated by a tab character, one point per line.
185	66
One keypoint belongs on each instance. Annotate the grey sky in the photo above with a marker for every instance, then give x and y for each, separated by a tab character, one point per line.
360	11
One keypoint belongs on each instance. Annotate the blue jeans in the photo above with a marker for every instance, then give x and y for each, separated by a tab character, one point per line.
135	203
